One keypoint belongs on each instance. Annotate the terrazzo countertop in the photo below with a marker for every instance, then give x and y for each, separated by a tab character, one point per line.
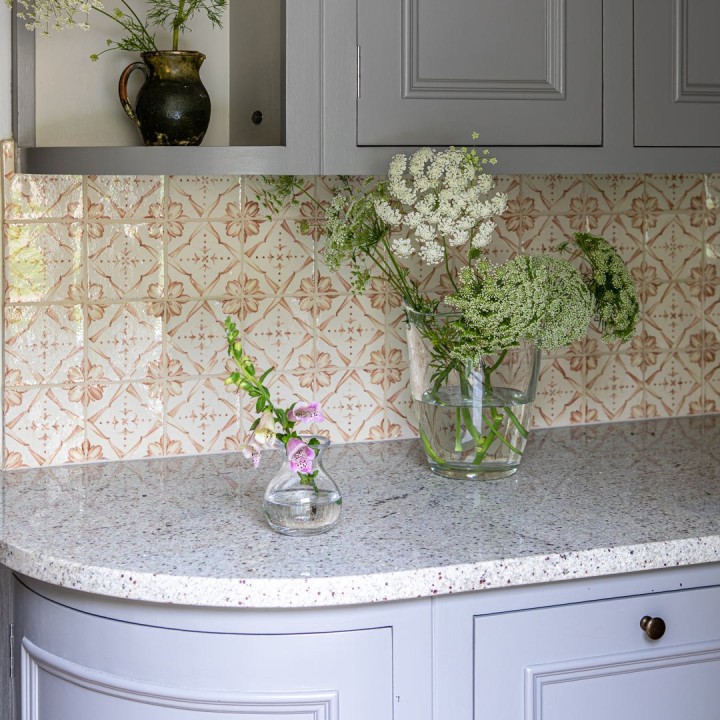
588	501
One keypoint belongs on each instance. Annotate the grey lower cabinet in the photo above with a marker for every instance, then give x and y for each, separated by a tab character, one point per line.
558	651
677	73
91	658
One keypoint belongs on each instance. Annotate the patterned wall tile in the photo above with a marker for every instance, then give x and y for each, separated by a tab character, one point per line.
43	427
43	197
42	261
125	196
123	339
42	342
116	289
203	259
614	193
203	196
203	415
196	338
125	261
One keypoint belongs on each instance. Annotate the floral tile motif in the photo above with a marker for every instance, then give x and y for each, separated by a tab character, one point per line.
42	428
196	338
614	193
35	197
674	247
279	333
203	196
280	258
42	261
314	372
203	259
675	386
674	317
547	235
203	415
125	261
560	396
125	197
123	339
675	192
351	408
613	388
42	342
125	422
552	193
350	331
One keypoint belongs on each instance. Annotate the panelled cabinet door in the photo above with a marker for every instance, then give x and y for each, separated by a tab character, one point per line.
594	660
677	73
519	72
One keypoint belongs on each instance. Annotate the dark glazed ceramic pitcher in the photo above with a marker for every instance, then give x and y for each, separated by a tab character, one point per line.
173	106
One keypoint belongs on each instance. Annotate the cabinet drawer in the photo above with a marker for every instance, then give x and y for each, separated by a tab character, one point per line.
593	660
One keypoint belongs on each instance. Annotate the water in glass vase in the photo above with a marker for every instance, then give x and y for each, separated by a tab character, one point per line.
465	439
301	510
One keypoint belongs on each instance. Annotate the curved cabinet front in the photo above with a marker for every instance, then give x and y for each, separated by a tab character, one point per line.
78	665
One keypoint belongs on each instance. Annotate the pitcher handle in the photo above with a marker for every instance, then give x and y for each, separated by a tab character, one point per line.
122	88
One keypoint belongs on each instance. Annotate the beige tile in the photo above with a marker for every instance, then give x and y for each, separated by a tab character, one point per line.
279	258
123	340
125	261
34	197
42	342
675	385
613	388
674	247
203	415
196	338
42	261
675	192
351	407
350	331
126	421
254	193
203	196
43	427
560	393
125	197
673	317
552	193
278	333
614	193
203	259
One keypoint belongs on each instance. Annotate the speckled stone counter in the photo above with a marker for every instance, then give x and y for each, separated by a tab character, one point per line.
588	501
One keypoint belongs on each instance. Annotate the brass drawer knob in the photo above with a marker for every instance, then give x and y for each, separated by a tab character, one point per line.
654	627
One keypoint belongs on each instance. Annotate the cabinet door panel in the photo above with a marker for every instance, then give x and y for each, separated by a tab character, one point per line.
85	667
677	73
518	72
544	664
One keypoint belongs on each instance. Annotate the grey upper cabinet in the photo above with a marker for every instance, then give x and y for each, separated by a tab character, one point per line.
677	73
517	72
551	86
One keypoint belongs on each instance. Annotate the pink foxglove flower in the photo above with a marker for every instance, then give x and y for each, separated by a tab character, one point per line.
306	412
252	452
265	431
300	456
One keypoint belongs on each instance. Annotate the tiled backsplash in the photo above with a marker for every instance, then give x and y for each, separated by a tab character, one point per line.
116	288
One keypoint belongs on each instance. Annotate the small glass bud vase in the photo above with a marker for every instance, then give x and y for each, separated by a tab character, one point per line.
293	506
